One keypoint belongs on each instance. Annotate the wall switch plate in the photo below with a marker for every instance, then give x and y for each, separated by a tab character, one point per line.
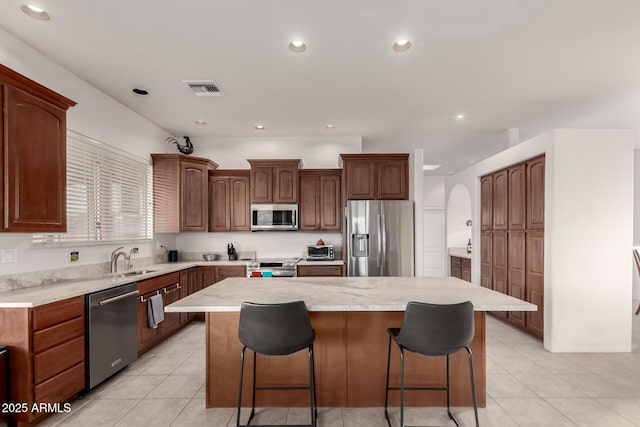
9	255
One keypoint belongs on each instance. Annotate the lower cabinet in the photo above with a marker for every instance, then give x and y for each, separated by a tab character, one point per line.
320	270
209	275
169	287
46	354
461	268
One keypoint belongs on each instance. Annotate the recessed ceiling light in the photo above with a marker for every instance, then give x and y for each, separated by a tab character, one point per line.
402	45
139	91
259	127
35	12
430	167
297	46
200	122
330	126
460	117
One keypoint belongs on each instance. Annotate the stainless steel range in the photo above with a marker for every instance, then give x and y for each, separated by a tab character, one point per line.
273	267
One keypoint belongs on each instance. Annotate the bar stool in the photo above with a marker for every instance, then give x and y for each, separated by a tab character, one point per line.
276	330
432	330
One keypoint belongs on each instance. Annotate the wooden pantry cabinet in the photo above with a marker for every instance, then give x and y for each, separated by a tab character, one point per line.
512	238
180	196
229	200
320	200
375	176
274	181
33	155
46	354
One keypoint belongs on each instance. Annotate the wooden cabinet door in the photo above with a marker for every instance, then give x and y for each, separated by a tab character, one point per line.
310	203
193	197
35	140
393	179
207	276
517	197
219	204
330	202
224	271
456	268
535	194
465	269
486	259
486	203
261	184
500	200
360	179
516	273
499	273
147	336
240	205
535	281
171	323
285	184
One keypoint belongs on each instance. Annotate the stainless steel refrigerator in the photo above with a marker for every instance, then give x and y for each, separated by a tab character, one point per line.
379	238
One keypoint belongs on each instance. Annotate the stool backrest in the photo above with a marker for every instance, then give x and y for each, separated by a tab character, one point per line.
275	329
436	329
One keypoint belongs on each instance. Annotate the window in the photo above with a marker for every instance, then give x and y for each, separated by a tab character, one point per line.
108	195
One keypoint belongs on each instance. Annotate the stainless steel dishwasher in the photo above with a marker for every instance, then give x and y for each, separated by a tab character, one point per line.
112	332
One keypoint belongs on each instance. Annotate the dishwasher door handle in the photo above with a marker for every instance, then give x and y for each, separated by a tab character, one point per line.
116	298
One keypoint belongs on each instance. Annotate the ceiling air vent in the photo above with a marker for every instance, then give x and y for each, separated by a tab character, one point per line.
204	87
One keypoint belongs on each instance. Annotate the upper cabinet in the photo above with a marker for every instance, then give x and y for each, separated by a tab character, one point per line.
500	199
486	203
180	199
535	193
274	181
375	176
229	204
320	199
33	150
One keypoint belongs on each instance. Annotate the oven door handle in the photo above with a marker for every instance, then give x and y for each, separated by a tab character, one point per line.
116	298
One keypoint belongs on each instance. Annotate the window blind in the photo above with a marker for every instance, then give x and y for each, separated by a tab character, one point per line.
108	195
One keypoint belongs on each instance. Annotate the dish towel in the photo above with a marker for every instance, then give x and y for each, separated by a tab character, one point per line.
155	311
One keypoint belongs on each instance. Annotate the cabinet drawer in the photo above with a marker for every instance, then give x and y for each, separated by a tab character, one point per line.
319	270
55	335
58	359
465	262
150	285
62	386
57	312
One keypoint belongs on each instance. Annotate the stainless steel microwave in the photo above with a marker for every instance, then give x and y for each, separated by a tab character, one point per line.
320	253
274	217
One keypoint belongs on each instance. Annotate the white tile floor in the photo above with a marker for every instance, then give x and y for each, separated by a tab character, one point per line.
526	386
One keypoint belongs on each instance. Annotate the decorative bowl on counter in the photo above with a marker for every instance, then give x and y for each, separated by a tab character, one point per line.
210	257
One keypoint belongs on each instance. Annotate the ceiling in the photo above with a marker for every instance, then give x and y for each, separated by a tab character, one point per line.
523	64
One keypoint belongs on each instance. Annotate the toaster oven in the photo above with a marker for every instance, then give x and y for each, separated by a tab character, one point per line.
320	253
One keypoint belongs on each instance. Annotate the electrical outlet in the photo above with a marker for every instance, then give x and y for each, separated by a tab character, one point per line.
9	255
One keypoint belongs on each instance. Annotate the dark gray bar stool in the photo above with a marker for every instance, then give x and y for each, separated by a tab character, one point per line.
276	330
432	330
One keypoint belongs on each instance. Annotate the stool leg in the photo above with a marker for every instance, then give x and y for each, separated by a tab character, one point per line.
312	387
448	397
401	387
240	388
473	386
386	394
253	394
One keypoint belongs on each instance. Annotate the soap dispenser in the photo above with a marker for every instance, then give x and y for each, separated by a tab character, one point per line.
469	246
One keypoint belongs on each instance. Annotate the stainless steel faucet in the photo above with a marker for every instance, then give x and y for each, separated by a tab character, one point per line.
114	258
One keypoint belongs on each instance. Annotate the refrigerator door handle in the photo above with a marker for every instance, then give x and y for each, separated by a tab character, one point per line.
379	252
383	227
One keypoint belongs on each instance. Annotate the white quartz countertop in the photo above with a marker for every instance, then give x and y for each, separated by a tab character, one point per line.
459	252
39	295
346	294
334	262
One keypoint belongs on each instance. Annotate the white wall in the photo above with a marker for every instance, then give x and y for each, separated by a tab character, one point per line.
588	233
636	220
433	194
458	213
416	193
96	115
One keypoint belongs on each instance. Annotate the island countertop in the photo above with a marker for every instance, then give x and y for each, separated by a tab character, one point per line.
346	294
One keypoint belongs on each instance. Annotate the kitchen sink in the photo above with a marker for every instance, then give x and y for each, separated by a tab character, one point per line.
133	273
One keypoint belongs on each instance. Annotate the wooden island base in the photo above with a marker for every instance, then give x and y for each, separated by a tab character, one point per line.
350	356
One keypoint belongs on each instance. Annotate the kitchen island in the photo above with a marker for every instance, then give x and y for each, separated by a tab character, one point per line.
350	316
